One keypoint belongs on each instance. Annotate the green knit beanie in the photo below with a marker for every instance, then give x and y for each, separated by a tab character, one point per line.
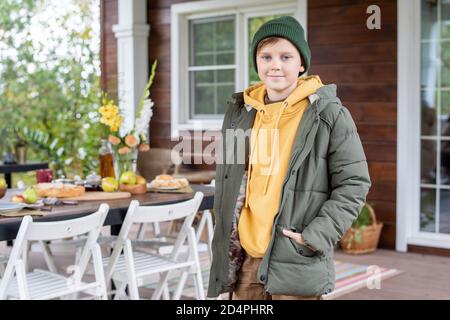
288	28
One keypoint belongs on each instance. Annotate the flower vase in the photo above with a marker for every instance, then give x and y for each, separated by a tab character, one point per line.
125	162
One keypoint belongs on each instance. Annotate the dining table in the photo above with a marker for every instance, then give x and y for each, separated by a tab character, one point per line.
9	169
9	226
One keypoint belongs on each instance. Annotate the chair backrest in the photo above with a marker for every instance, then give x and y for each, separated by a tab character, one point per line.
158	161
148	214
46	231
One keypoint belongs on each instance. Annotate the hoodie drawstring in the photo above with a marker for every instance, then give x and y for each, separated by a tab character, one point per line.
277	123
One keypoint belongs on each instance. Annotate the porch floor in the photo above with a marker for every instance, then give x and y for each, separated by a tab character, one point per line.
425	276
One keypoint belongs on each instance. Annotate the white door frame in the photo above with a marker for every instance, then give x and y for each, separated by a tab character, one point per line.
409	130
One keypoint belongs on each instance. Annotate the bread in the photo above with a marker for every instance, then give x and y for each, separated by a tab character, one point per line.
58	190
166	177
167	181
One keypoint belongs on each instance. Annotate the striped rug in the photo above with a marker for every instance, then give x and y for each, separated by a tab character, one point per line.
349	277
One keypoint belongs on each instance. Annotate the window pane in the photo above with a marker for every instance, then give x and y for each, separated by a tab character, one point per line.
444	214
445	64
429	64
445	113
429	20
428	162
211	91
212	41
445	162
427	210
445	18
429	117
253	26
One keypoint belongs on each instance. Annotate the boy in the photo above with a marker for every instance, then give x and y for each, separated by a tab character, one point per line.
279	216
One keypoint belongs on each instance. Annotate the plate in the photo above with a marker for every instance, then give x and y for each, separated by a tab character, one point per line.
149	185
11	207
37	204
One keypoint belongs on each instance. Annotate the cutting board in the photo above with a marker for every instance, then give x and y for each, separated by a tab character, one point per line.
100	195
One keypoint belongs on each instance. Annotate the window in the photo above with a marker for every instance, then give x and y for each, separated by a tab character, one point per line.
212	65
435	116
210	56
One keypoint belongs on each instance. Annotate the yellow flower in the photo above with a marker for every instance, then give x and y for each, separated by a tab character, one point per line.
110	115
115	125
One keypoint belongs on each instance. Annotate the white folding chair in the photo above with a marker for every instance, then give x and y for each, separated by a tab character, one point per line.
42	284
164	242
3	261
134	267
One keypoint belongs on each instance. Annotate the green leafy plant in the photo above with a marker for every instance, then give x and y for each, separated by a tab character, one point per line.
364	219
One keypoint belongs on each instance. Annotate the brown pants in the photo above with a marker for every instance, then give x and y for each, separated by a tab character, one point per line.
248	287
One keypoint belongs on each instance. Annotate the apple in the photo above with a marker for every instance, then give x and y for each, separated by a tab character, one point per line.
30	195
18	199
140	180
3	184
110	184
3	187
128	177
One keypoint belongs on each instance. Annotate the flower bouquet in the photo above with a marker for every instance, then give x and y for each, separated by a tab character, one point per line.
126	145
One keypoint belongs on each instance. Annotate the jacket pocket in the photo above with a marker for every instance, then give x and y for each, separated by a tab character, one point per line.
302	250
288	250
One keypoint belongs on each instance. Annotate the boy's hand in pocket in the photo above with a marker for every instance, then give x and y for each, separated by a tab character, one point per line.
297	237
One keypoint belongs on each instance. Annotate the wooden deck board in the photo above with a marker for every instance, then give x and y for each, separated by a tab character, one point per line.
424	277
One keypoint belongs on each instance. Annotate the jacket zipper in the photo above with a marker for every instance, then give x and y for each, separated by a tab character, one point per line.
294	158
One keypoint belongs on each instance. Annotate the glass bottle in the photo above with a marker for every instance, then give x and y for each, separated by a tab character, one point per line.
106	160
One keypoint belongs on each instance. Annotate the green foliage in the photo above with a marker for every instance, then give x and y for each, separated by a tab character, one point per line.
50	87
364	218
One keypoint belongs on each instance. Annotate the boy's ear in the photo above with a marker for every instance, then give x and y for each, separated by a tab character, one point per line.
302	68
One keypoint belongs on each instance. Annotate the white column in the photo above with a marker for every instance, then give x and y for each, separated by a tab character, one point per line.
132	56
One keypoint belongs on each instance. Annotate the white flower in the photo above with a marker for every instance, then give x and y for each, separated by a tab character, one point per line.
143	120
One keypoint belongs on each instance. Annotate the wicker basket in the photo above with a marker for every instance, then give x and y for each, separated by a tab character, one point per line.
369	235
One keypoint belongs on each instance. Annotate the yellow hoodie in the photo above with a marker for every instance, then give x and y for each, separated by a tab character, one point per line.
271	140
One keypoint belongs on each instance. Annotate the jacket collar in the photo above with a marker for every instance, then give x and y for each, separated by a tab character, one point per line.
324	93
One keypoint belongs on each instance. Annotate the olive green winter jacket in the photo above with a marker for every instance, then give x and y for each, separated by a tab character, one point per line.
323	192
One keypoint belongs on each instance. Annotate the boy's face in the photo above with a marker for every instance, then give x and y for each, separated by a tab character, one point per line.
279	65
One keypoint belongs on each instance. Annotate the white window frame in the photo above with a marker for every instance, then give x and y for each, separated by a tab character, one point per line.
180	16
409	132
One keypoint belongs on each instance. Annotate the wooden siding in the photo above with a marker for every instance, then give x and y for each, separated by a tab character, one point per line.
363	64
108	52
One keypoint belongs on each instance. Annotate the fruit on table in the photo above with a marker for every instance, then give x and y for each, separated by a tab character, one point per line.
128	177
133	188
110	184
3	184
3	187
30	195
18	199
140	180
